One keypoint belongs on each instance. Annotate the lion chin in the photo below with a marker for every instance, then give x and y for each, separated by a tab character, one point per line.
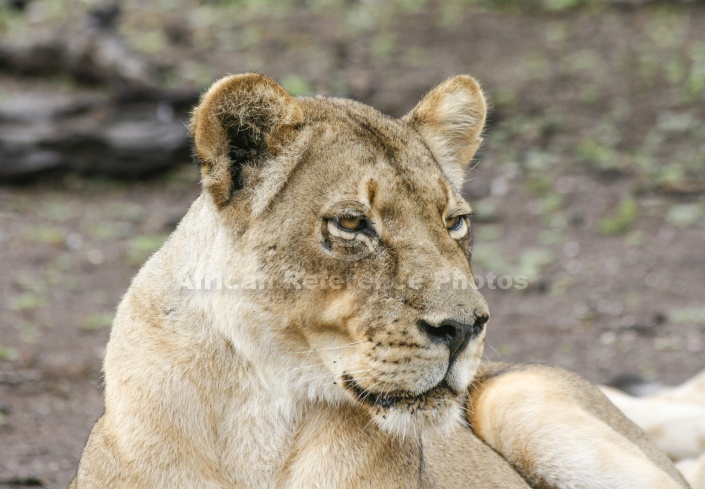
408	415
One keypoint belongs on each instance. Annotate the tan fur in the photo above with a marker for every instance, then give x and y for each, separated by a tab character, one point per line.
675	420
694	471
267	346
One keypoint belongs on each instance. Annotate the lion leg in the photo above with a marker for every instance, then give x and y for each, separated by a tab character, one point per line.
559	431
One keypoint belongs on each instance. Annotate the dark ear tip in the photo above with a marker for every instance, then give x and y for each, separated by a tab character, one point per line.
242	85
234	101
234	126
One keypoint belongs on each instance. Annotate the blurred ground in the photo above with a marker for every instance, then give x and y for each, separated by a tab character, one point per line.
590	183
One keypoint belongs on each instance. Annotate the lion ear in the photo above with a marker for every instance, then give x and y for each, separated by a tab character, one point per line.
241	121
450	119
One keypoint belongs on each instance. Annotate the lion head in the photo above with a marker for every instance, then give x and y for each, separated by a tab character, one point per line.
348	243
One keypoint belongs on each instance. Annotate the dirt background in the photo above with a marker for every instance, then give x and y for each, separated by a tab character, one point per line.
590	182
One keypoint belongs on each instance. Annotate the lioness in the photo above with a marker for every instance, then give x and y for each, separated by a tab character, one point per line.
313	321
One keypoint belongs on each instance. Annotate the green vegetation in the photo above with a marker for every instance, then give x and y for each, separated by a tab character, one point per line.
141	247
46	234
685	215
7	353
688	315
600	156
621	220
529	263
97	321
297	85
27	301
32	294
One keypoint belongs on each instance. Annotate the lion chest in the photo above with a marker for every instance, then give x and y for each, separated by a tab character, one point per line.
337	448
254	438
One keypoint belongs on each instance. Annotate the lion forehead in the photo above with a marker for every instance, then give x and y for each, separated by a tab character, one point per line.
343	142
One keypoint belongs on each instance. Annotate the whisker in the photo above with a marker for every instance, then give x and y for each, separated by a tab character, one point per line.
333	347
353	358
327	374
307	366
366	391
365	378
368	423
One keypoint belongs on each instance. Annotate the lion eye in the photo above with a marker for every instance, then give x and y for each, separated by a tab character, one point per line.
454	223
457	226
350	223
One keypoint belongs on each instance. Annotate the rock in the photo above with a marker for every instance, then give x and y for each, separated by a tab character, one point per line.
133	128
39	132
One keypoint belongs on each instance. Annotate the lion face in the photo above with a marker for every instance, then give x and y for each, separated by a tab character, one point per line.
355	222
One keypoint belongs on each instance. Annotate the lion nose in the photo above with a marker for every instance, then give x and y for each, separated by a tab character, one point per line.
454	334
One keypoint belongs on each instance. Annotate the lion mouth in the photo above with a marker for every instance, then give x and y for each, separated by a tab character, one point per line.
387	401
